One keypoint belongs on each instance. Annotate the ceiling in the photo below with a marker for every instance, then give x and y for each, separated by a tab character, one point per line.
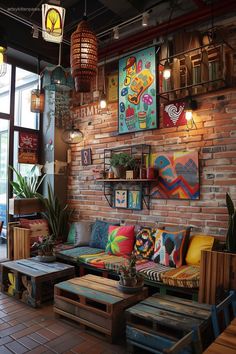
18	17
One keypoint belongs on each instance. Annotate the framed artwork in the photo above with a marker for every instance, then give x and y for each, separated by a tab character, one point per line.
28	148
135	200
178	175
174	114
86	157
120	198
137	92
112	88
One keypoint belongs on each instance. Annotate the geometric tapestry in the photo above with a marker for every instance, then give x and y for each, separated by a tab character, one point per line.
178	175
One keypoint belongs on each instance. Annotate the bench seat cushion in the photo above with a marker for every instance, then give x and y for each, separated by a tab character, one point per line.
72	255
151	270
184	277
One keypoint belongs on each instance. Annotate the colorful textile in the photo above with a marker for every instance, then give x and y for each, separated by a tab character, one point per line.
184	277
145	242
99	235
170	248
95	260
120	240
152	271
197	244
73	254
80	233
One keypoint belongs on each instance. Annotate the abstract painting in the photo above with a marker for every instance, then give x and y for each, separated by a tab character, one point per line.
137	92
120	198
135	200
178	175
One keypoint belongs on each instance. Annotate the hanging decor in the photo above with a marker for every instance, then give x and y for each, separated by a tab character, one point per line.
72	135
84	56
37	97
53	18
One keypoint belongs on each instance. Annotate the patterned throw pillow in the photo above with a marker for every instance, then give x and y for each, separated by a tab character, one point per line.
170	248
99	235
120	240
145	242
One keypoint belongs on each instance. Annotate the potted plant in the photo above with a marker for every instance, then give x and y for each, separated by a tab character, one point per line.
25	189
56	214
129	278
45	246
122	162
231	233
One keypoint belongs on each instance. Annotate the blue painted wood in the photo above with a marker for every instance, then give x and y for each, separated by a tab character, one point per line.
88	293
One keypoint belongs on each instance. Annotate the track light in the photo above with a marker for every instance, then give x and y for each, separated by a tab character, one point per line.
145	19
35	31
116	34
167	70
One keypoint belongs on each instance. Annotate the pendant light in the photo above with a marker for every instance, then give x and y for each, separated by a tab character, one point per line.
83	56
103	98
72	135
37	97
57	78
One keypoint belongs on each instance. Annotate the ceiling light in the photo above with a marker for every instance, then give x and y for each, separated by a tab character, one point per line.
116	34
53	18
72	135
145	19
37	97
167	70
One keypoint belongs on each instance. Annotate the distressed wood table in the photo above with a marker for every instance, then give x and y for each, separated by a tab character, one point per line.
95	302
167	324
32	281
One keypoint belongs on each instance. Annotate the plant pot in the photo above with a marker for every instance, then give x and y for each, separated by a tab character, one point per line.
119	171
24	206
128	281
129	289
46	259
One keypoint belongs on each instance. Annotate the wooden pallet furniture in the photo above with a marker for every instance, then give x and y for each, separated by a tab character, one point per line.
31	281
166	324
95	302
217	275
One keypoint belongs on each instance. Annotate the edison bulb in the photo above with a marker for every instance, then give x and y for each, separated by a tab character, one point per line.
188	115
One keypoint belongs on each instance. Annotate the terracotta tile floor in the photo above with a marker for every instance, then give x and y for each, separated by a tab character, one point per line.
27	330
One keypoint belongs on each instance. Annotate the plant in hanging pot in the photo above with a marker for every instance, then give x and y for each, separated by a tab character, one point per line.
122	162
45	247
231	233
25	190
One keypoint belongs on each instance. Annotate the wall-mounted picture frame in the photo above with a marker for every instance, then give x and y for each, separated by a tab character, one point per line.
120	198
135	200
137	92
112	88
86	157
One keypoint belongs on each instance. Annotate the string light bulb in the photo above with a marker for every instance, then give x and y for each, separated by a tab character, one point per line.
167	70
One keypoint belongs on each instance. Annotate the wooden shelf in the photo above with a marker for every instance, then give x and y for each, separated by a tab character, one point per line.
116	180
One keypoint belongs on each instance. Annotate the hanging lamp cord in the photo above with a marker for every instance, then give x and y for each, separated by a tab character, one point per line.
85	9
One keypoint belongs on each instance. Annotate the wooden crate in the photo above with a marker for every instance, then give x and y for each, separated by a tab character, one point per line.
31	281
96	303
217	275
10	238
162	322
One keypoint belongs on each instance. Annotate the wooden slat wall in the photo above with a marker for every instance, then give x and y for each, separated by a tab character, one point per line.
21	243
217	273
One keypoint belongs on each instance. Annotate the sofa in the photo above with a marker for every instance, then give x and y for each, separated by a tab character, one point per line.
168	259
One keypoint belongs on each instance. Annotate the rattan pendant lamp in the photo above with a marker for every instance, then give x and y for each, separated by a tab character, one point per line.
84	56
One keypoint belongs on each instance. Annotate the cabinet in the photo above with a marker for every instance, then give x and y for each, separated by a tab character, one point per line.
128	193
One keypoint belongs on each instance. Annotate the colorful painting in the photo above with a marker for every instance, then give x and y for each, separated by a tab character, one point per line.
137	92
135	200
174	114
28	148
178	175
120	198
112	88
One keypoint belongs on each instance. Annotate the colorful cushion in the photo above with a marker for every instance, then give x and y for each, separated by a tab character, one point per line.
184	277
197	244
99	235
72	255
120	240
170	248
145	242
36	225
80	233
152	271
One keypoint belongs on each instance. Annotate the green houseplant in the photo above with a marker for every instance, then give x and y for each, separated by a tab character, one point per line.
130	281
231	233
45	246
122	162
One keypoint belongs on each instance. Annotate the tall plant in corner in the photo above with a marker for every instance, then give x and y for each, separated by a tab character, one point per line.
231	234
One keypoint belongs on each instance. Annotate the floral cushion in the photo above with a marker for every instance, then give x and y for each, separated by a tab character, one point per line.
145	242
120	240
185	276
170	248
99	235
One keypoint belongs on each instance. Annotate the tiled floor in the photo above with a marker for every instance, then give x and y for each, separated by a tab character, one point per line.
27	330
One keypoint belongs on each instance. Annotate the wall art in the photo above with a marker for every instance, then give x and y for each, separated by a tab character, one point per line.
135	200
112	87
120	198
137	92
28	148
178	175
86	157
174	114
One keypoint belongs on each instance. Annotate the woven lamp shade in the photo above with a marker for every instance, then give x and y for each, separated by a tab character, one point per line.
83	57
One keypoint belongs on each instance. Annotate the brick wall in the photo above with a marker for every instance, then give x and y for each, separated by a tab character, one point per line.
214	138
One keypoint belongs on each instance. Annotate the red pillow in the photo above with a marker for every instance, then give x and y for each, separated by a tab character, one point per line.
120	240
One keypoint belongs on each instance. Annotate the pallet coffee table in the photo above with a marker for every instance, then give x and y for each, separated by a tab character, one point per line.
32	281
95	302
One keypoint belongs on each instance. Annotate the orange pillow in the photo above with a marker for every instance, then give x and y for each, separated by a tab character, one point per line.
197	244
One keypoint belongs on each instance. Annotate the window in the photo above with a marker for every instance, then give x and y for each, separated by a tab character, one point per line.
5	84
26	81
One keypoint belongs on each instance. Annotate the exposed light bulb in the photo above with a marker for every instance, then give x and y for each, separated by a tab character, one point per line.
188	115
116	34
103	101
167	70
145	19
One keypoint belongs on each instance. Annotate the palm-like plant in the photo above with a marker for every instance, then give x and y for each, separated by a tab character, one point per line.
113	242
